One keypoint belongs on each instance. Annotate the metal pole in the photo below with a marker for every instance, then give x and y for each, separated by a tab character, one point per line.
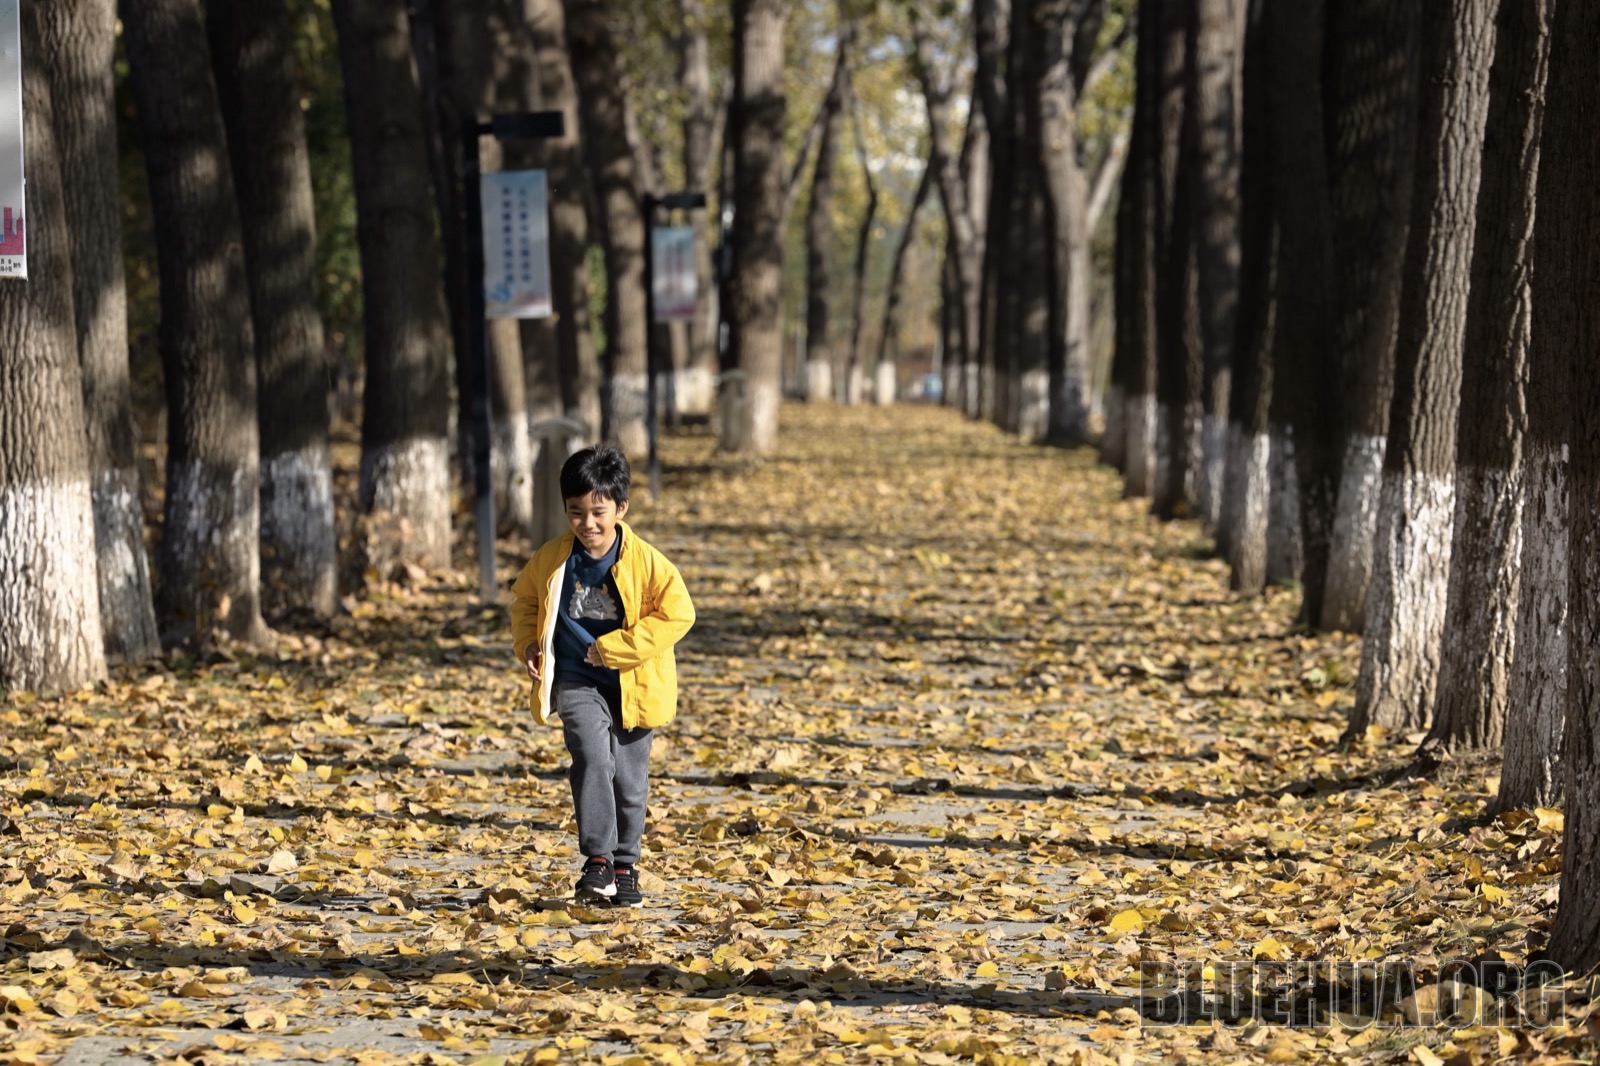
652	355
478	353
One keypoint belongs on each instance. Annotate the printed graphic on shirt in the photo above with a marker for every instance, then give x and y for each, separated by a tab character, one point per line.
595	604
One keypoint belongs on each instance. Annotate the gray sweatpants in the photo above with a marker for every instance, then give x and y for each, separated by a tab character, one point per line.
610	773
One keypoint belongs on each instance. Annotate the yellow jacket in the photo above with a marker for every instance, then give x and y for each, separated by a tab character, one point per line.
656	613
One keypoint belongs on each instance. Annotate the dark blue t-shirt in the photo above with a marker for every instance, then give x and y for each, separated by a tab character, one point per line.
589	608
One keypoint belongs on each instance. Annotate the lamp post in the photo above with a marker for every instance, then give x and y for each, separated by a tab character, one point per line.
678	201
529	125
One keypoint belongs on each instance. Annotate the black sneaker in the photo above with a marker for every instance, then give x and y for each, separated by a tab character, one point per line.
598	883
628	894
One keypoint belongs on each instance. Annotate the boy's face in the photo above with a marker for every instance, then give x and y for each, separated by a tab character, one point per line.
594	521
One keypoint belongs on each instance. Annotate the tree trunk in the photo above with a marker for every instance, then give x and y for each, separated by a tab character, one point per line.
855	370
756	289
405	476
614	173
1247	490
1066	210
77	44
1216	226
819	232
888	336
1139	186
51	639
210	545
253	60
1532	773
1569	243
539	340
1176	292
696	388
953	193
1372	85
1025	395
1478	648
1405	605
579	365
475	52
989	136
1305	375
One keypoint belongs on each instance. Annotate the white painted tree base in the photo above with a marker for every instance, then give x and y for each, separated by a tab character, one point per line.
1251	504
819	381
1033	405
1213	470
1406	602
411	481
1355	523
49	598
695	391
127	610
629	408
210	550
884	384
512	462
299	547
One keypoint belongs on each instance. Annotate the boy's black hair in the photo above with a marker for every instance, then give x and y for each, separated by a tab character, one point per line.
600	469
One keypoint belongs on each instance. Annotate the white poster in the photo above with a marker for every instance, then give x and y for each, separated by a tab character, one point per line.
672	267
13	260
516	244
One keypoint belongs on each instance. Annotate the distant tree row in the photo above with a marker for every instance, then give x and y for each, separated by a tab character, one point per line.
1355	302
228	196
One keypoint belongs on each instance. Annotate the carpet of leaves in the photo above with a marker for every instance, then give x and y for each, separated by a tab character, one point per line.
969	748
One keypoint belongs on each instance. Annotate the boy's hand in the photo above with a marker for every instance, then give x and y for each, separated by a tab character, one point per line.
532	663
592	656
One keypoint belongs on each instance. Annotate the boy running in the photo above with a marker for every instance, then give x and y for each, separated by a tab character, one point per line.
596	614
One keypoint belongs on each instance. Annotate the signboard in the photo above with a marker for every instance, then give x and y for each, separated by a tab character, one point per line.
672	273
516	244
13	257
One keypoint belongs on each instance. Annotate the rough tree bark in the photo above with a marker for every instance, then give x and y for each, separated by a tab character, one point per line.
210	548
888	336
51	639
1247	491
77	43
855	372
1571	159
1066	210
1022	388
1405	604
695	390
1531	774
756	289
569	215
253	60
405	476
989	139
614	170
1478	647
1177	342
953	194
474	52
1372	86
1305	374
819	230
1139	189
1214	74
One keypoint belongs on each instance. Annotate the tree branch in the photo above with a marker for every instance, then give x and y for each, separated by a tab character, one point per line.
1105	179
